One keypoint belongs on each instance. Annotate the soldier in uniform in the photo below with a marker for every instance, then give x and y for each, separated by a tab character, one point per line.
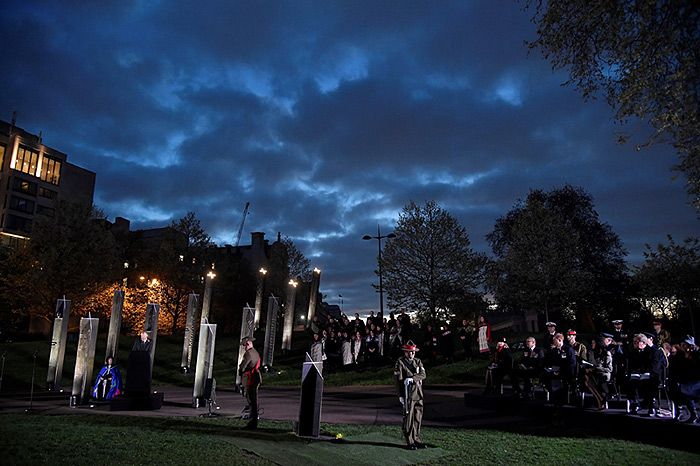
250	368
549	334
530	366
559	369
409	374
660	335
620	350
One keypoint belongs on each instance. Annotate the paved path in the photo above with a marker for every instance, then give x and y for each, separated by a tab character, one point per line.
350	405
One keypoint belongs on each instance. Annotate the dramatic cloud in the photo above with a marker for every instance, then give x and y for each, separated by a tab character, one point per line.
327	116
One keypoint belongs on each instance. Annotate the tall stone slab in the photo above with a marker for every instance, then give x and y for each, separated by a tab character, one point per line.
84	361
190	332
313	295
150	325
259	296
290	304
205	364
206	302
311	397
247	328
58	344
115	324
273	309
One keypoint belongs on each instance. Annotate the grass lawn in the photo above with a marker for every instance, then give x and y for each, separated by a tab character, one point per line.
111	439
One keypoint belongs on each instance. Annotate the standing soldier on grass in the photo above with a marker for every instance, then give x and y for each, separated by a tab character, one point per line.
250	368
409	374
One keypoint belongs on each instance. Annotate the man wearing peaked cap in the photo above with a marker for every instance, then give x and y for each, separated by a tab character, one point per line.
410	374
549	334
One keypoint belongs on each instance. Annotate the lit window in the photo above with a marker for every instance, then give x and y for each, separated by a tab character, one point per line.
26	161
50	170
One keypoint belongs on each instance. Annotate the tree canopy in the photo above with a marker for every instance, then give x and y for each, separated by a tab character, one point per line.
70	254
553	254
642	55
430	267
669	279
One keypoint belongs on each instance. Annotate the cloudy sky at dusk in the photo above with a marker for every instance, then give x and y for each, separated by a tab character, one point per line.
328	117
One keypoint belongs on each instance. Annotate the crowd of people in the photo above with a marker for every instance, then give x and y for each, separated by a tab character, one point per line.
638	366
616	363
351	344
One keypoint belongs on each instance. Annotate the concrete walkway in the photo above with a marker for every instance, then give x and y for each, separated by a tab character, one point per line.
377	405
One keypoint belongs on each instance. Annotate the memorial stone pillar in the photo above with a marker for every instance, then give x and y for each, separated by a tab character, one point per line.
192	304
289	316
58	345
247	327
115	324
206	303
151	327
270	331
259	296
204	372
313	295
311	397
84	361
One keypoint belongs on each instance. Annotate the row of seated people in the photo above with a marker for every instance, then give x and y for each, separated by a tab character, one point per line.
567	368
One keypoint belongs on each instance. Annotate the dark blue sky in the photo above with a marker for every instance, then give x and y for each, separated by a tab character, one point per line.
328	117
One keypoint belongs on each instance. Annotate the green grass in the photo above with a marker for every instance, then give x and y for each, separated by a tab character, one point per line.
166	370
113	439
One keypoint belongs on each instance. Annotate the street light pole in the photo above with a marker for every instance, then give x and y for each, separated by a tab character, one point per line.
379	239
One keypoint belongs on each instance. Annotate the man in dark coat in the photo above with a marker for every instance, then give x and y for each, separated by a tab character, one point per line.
549	334
559	369
138	382
409	375
658	368
639	373
529	366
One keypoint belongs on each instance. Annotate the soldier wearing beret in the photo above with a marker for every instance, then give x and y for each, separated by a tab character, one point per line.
410	374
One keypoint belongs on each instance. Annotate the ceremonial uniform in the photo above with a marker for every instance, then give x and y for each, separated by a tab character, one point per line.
250	368
559	371
530	366
409	374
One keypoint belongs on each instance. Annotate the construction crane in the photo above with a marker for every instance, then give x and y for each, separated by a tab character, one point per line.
240	229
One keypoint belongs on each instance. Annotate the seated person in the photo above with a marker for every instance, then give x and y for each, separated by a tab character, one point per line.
639	374
108	384
529	366
685	374
500	366
559	373
598	371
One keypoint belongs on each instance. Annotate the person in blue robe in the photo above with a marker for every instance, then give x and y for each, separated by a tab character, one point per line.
108	384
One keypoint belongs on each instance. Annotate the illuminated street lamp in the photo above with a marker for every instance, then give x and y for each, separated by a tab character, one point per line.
379	239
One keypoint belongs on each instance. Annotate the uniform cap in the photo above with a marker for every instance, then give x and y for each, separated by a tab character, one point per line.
245	340
410	346
550	324
605	335
571	332
617	321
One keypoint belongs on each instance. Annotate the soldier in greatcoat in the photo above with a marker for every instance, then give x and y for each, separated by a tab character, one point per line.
410	374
